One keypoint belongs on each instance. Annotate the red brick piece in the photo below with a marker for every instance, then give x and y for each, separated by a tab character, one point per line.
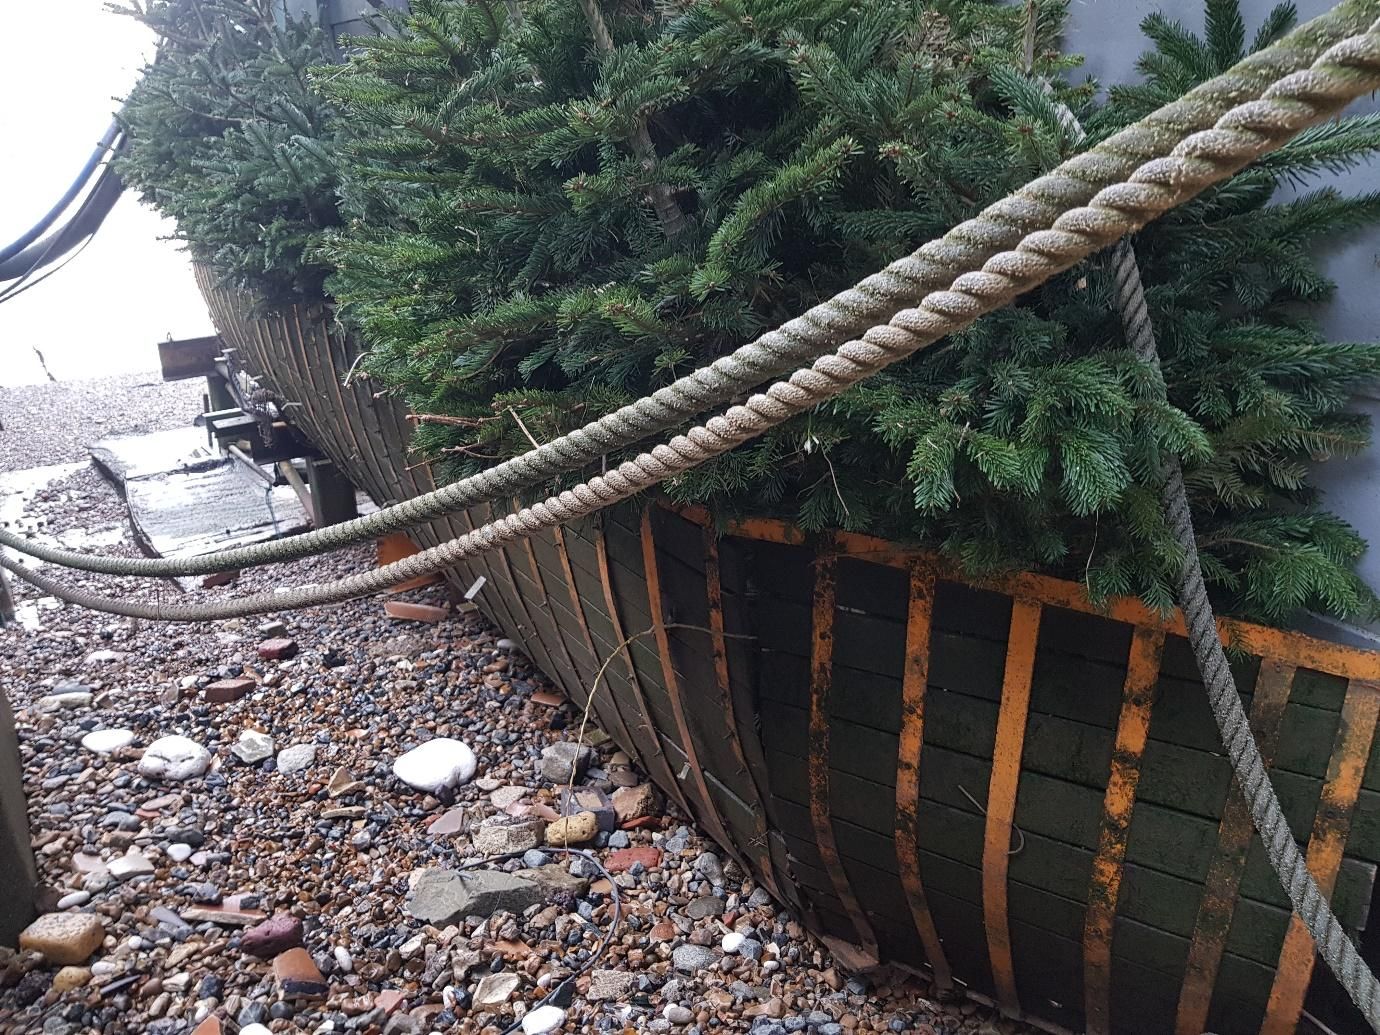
224	691
220	578
277	649
210	1026
297	975
414	612
389	1000
624	858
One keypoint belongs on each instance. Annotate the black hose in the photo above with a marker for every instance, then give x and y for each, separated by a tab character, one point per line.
103	148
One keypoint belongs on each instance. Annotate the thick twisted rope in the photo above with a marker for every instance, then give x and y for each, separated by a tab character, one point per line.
1282	850
1345	71
931	268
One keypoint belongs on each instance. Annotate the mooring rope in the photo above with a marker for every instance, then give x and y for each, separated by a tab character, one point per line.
932	267
1308	901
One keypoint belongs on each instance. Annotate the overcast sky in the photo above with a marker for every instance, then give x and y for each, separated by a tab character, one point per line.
63	63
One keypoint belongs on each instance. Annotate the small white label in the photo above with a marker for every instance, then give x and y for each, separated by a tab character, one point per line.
473	591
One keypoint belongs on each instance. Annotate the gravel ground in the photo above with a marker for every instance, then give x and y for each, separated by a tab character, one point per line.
54	423
370	928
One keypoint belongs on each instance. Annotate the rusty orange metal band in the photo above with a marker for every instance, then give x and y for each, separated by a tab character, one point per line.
714	593
821	682
1234	833
915	682
709	811
1001	796
1331	825
577	605
1306	651
668	777
1104	887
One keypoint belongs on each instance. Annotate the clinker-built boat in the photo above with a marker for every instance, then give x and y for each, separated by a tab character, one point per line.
1001	785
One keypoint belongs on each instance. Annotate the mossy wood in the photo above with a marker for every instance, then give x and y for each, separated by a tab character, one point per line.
997	783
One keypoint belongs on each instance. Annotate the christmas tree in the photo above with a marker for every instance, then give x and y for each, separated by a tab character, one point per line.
535	211
228	138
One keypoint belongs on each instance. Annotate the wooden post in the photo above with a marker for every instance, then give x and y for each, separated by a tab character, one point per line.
332	495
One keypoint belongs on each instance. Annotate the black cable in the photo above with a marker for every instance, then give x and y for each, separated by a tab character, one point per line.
103	147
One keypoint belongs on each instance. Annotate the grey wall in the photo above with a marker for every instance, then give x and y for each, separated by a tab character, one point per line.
1106	33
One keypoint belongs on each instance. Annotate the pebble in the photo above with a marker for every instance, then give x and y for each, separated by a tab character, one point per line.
107	742
64	938
436	766
252	747
174	758
74	899
560	759
296	757
542	1020
578	829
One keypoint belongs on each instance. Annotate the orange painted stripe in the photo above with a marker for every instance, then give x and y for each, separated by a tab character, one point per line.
714	594
709	811
821	683
1132	731
1331	825
1001	796
1304	651
577	605
914	684
668	780
1234	833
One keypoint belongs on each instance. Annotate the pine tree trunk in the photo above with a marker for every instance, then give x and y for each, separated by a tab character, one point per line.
668	212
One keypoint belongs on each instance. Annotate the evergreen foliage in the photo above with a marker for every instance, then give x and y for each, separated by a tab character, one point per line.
227	137
552	207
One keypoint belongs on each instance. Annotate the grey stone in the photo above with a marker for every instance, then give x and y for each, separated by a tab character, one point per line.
708	865
558	760
296	757
500	835
691	959
554	879
704	907
610	984
444	897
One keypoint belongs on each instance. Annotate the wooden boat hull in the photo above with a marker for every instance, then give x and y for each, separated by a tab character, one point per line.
1002	786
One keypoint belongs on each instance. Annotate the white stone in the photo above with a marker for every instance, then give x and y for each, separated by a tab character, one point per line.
76	898
296	757
67	699
542	1020
506	644
733	941
677	1014
107	742
436	765
179	853
174	758
252	746
494	989
255	1029
343	959
126	866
